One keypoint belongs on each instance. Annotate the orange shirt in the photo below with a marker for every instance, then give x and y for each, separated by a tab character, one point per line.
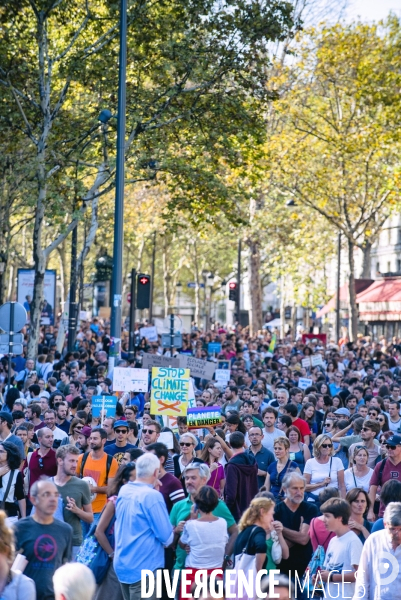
96	468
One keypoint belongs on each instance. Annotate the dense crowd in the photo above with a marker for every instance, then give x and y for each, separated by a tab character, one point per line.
302	475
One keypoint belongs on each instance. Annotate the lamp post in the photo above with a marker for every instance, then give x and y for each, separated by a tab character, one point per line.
338	306
118	244
2	269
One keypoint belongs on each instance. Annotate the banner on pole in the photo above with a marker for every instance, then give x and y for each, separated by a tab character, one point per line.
208	416
169	391
104	406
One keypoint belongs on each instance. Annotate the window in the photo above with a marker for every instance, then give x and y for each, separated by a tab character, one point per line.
377	267
398	265
388	266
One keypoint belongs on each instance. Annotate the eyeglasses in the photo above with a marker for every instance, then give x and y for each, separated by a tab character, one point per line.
148	431
326	446
187	444
121	430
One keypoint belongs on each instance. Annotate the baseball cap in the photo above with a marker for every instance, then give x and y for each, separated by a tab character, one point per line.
342	411
121	423
86	431
394	440
6	417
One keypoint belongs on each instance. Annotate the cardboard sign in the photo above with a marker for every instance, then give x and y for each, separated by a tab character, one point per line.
104	406
169	391
198	367
130	380
150	333
191	394
222	376
208	416
304	383
306	362
317	360
156	360
214	347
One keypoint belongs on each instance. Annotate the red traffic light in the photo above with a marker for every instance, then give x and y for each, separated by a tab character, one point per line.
232	285
144	280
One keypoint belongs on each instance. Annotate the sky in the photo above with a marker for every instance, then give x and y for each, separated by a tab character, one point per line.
372	10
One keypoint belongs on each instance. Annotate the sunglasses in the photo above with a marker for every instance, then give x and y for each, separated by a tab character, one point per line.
326	446
390	447
187	444
365	429
148	431
41	465
121	430
79	428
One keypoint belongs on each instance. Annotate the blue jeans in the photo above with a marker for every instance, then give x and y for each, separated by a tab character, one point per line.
86	526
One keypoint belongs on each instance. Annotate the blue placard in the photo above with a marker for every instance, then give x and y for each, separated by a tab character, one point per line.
214	347
110	403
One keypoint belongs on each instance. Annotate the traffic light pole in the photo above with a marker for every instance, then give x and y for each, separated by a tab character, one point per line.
152	277
238	303
131	347
171	335
118	245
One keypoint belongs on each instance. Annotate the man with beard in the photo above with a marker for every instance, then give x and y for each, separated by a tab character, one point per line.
121	445
83	439
295	514
101	467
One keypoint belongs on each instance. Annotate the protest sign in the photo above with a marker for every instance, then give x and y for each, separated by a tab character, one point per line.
130	380
104	406
214	347
198	367
306	362
156	360
304	383
222	376
150	333
317	360
223	364
208	416
191	394
169	391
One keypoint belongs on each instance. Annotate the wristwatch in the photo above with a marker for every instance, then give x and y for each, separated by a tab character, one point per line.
111	555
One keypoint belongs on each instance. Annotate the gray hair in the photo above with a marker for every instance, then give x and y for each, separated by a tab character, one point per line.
34	491
204	471
191	436
392	514
146	465
290	477
40	432
284	390
74	581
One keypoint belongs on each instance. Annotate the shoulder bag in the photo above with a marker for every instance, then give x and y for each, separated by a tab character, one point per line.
245	564
92	554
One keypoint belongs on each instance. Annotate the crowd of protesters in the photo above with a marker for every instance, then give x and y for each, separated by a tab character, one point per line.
305	458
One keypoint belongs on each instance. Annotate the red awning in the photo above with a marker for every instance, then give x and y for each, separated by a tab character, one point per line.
360	285
383	290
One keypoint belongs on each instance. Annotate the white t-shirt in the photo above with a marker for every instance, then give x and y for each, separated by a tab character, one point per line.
319	472
359	482
268	438
207	541
394	427
342	553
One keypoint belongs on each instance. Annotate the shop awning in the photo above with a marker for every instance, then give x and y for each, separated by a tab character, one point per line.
360	286
383	290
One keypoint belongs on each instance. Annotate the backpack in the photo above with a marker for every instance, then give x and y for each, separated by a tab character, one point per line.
315	564
109	460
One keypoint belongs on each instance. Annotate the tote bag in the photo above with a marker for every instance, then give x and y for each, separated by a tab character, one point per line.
245	563
92	554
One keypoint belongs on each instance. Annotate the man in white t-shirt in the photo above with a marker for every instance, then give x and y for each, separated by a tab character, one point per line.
270	431
343	553
394	421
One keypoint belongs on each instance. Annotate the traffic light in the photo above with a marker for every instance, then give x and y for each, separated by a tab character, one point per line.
232	294
143	291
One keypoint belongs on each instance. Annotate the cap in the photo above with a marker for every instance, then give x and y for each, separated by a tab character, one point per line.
121	423
342	411
394	440
6	417
86	431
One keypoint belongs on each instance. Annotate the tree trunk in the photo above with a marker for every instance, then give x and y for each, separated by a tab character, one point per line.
353	311
197	286
366	261
282	309
166	294
255	288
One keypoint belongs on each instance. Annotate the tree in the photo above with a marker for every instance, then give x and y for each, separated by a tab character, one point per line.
202	68
337	150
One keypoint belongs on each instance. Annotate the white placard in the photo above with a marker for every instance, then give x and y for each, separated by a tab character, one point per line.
304	383
150	333
198	367
317	360
306	362
222	376
130	380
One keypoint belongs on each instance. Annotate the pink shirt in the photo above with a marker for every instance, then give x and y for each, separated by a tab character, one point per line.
319	536
216	477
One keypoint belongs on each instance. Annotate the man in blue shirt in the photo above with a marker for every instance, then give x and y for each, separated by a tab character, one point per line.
142	528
